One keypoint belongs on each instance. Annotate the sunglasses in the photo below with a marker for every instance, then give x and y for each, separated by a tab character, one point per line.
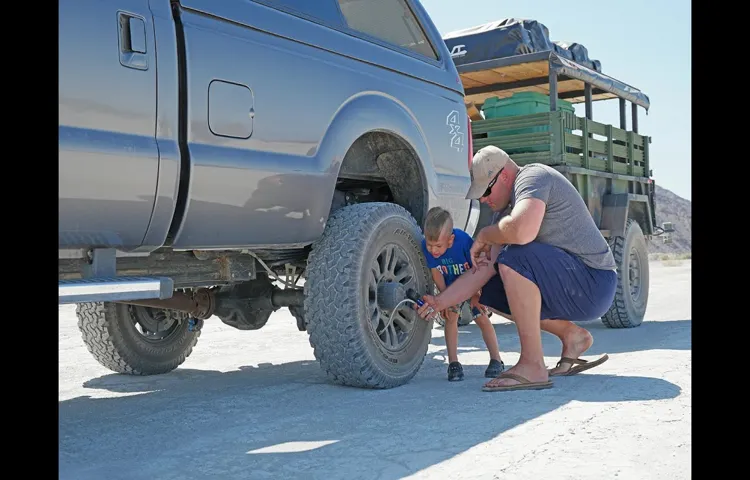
492	184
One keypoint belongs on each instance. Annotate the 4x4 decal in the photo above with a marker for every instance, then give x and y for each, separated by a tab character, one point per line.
457	136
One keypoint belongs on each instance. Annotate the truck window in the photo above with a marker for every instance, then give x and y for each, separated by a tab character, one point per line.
323	11
389	20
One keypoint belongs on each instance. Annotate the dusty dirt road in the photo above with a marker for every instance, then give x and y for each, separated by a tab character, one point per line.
254	405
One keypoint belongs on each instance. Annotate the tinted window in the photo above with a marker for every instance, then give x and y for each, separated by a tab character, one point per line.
325	10
389	20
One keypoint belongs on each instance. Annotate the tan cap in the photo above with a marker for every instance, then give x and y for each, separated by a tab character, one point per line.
484	166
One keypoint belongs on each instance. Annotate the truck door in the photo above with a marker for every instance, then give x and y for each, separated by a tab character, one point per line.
108	158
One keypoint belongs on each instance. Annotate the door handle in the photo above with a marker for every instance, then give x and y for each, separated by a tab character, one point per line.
132	41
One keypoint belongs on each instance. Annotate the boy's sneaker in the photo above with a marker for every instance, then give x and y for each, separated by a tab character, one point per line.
455	372
494	369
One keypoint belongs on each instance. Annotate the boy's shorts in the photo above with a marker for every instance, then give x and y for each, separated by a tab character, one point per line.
475	312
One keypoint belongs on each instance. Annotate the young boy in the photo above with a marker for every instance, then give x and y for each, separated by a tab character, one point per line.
447	252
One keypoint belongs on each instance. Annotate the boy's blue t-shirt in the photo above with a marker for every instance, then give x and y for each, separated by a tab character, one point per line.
455	261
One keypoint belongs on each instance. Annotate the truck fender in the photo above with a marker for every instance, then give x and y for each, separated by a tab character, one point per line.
617	208
365	113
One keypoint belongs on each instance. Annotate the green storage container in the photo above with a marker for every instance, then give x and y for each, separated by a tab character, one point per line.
521	103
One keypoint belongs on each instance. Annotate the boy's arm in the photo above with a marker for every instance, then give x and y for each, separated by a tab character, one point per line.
437	277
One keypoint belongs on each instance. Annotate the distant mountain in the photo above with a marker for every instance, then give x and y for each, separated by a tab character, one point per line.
672	208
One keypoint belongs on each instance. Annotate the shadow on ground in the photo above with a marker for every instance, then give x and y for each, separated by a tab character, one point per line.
662	335
200	424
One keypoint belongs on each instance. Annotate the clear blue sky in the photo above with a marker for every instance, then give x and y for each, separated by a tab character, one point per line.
643	43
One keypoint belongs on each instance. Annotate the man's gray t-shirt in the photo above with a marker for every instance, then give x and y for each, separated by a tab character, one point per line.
567	223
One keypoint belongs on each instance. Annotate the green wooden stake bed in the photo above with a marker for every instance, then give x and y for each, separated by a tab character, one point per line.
609	166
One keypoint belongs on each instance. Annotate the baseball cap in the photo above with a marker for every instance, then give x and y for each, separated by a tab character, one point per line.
487	162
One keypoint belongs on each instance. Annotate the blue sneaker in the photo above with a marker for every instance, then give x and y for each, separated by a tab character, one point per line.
494	369
455	372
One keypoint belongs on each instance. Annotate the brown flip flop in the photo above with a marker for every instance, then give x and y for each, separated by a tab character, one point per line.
524	384
580	365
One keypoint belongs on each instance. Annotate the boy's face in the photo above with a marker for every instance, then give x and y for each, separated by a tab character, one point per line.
443	243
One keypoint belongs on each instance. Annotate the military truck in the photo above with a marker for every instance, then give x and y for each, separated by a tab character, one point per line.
513	61
213	155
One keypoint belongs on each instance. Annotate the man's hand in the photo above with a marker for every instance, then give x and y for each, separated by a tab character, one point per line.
430	302
480	253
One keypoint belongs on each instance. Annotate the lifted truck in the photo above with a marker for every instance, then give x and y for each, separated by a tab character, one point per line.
613	175
212	154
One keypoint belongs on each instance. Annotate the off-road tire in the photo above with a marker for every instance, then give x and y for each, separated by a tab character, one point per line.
337	296
109	332
627	311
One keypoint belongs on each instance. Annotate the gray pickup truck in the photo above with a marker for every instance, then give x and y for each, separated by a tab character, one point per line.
213	154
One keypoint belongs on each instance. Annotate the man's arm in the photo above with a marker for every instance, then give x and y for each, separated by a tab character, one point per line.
495	252
464	287
520	227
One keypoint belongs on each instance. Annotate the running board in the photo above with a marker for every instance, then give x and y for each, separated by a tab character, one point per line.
112	289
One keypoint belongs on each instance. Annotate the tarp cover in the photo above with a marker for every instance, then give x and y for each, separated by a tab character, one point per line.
563	66
509	37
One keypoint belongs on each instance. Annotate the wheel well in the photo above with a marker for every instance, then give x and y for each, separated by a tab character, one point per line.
617	208
381	166
638	212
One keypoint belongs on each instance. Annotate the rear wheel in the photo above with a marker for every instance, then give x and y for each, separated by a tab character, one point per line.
136	340
631	297
355	339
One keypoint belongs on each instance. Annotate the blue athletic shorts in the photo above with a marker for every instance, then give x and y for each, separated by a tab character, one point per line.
570	289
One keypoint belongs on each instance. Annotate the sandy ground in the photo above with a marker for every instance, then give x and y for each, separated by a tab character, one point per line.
254	405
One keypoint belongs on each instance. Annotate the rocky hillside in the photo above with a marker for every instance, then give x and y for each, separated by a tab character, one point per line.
675	209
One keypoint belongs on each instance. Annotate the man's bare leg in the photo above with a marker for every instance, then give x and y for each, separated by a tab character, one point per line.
575	340
525	302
